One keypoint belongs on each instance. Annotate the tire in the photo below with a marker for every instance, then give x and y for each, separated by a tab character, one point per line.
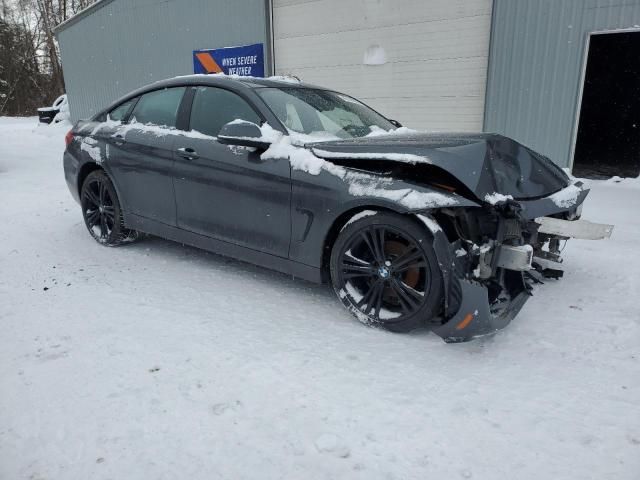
385	272
101	211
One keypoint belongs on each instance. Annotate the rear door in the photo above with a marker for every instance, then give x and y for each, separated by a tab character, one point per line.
144	165
226	192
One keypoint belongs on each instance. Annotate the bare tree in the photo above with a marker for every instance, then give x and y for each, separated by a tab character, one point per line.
30	69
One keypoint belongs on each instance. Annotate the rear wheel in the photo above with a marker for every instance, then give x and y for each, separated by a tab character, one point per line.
101	211
384	270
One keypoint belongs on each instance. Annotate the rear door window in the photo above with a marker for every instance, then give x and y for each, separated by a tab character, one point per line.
159	107
214	107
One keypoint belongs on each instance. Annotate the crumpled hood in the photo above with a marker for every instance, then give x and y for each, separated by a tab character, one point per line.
484	163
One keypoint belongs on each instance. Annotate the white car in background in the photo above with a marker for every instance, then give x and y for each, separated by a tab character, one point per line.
56	113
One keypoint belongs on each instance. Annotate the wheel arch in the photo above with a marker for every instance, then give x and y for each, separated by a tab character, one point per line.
89	167
84	172
342	219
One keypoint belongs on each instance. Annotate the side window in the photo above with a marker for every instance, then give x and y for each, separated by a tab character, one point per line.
118	113
159	107
214	107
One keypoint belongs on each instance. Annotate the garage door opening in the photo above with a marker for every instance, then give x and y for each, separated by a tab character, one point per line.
608	140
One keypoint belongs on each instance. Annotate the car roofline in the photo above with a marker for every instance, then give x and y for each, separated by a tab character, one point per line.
236	80
214	80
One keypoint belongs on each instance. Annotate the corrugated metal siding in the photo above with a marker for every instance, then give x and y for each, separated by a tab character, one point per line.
536	65
436	51
127	44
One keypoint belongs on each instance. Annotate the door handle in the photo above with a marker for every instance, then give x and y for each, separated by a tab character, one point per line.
118	139
188	153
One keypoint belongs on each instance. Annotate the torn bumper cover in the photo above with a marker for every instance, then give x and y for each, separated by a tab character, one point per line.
484	307
486	286
475	318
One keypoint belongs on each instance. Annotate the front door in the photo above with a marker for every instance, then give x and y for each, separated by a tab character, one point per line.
225	192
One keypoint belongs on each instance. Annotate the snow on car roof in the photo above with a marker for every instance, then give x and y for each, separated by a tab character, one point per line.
252	82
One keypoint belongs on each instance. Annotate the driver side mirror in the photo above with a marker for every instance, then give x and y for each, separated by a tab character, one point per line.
242	133
395	123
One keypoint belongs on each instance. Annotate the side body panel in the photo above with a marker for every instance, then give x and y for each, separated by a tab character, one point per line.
232	195
228	249
319	200
143	169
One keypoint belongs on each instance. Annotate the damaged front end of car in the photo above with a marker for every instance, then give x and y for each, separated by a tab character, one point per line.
512	210
497	252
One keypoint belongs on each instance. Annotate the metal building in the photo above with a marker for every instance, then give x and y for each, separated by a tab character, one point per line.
516	67
537	67
115	46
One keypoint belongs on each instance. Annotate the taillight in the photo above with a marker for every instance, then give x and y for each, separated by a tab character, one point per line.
68	138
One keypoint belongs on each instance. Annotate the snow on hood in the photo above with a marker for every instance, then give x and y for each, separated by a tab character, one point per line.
360	184
567	197
495	198
394	157
292	147
400	131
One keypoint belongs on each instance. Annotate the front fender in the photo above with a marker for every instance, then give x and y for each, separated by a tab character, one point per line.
320	200
401	195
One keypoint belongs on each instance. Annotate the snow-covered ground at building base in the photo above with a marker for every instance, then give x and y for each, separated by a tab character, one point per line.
159	361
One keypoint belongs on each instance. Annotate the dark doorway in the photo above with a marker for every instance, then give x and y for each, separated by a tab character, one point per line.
608	140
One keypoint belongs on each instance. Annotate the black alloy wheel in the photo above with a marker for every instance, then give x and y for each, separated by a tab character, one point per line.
384	270
101	211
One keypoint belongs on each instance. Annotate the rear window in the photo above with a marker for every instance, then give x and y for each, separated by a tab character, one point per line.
159	107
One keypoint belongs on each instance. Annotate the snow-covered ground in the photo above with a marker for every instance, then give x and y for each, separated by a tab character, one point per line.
159	361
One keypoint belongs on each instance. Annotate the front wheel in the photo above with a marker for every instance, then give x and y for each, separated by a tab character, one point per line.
101	211
384	270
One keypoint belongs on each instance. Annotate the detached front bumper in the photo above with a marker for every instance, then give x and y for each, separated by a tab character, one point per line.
469	311
474	318
486	286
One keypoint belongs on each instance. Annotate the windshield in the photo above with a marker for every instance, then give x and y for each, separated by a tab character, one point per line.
310	111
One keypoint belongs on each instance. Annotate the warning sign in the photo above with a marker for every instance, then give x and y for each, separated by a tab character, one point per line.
247	60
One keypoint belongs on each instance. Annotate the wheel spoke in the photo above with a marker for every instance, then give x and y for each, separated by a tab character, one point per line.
422	264
409	256
355	274
350	257
367	240
101	191
109	222
377	304
92	218
110	213
406	295
92	197
367	297
374	238
104	233
379	235
405	305
352	269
